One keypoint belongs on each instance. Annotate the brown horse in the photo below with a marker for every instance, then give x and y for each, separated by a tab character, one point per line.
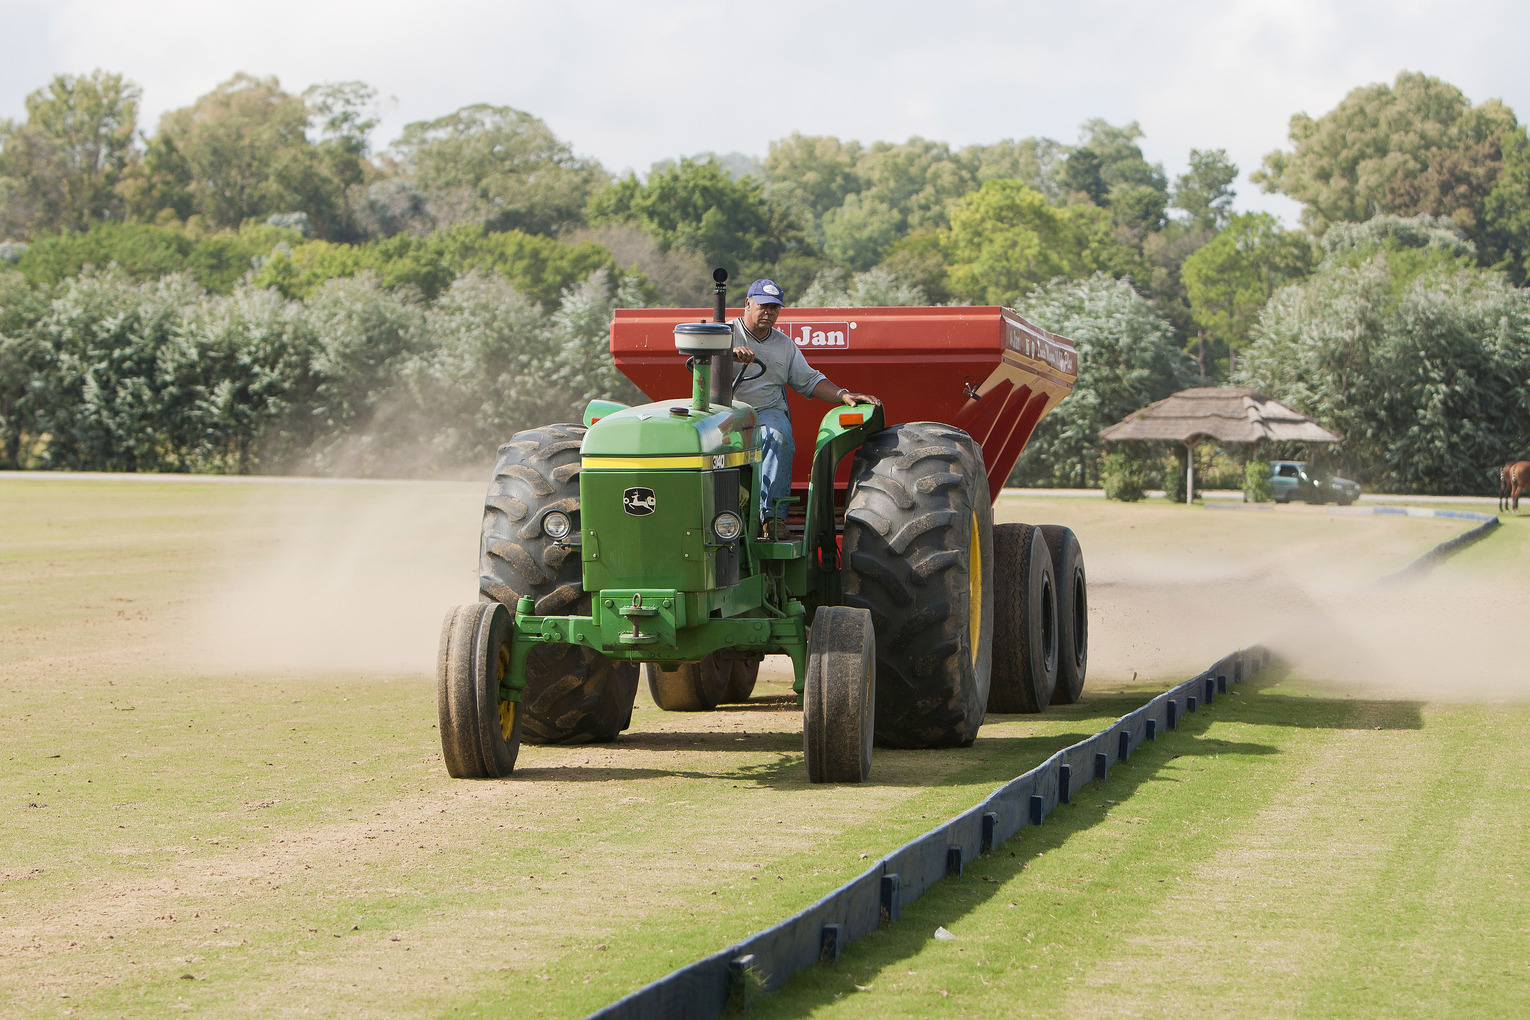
1513	480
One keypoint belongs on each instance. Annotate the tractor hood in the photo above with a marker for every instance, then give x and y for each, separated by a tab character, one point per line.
674	429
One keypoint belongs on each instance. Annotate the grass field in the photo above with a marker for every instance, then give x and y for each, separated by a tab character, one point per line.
222	791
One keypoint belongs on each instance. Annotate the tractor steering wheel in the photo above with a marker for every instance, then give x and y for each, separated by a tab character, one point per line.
740	377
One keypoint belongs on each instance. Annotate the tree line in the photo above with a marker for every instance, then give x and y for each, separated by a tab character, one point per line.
252	287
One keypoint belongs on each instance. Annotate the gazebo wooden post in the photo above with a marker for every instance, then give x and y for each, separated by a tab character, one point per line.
1190	471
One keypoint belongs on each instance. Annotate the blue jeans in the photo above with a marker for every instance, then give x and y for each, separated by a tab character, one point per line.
776	463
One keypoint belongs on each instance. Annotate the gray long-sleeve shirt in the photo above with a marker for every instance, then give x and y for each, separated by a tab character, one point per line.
784	366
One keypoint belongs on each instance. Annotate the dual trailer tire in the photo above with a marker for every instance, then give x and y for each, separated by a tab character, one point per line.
573	694
1042	618
918	556
1072	612
1025	621
839	697
480	727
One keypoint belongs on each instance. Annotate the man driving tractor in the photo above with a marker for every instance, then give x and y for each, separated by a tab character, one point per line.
757	341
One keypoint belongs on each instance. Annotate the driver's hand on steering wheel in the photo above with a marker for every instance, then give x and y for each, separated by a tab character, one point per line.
744	355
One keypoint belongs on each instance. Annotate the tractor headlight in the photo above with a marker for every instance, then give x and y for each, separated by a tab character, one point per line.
727	526
556	525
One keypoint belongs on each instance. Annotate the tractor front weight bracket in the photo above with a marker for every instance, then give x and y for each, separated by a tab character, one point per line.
652	625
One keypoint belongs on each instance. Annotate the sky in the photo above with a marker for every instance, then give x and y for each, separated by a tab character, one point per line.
630	83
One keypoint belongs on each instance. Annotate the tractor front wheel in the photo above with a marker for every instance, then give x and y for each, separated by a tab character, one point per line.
480	727
839	696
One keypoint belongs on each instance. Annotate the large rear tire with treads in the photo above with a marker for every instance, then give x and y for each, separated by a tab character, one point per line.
918	555
573	694
1025	651
1072	612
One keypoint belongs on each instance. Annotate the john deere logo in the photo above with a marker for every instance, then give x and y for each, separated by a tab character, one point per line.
639	502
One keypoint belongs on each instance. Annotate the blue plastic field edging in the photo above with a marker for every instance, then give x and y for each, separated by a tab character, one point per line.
762	962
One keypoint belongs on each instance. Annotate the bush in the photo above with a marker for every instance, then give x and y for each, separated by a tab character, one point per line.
1256	482
1124	476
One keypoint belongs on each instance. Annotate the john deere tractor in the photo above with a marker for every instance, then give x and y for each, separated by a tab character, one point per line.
631	540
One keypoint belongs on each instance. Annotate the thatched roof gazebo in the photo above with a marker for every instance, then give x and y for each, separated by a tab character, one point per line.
1227	414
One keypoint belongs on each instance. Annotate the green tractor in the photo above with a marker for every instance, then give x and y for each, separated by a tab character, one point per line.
631	540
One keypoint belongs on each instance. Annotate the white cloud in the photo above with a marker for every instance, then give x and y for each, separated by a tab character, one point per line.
630	83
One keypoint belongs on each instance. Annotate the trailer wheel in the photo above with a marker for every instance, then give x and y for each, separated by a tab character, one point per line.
1025	639
480	728
573	694
918	554
741	680
1072	612
839	696
692	687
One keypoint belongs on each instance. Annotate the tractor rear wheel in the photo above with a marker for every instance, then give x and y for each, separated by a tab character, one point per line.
480	727
1025	621
839	696
918	554
692	687
1072	612
573	694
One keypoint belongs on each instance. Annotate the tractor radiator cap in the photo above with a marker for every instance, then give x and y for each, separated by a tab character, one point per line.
703	338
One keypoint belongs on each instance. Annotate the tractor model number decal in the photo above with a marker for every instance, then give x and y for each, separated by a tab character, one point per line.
818	334
639	502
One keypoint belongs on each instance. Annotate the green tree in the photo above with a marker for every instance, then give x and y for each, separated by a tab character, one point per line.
482	377
1081	174
102	401
240	152
1205	191
497	167
698	206
145	252
1399	342
1005	238
1504	238
1229	279
812	173
232	376
59	170
24	364
1034	161
540	267
1415	146
834	288
1127	359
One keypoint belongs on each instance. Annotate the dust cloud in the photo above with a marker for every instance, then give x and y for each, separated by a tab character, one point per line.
354	579
356	576
1435	637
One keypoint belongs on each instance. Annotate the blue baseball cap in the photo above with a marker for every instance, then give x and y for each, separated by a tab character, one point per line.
765	292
